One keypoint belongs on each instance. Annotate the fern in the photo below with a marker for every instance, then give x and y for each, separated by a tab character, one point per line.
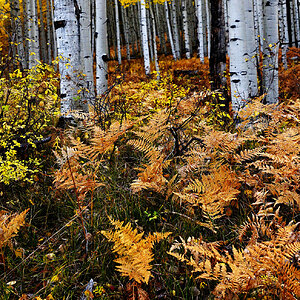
10	225
134	251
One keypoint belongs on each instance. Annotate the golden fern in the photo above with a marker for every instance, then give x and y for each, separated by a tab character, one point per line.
10	225
134	251
213	192
265	266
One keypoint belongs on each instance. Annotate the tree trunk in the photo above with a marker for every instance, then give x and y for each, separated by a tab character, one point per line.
270	54
200	30
145	38
217	63
68	45
186	29
239	81
101	47
32	34
86	52
118	35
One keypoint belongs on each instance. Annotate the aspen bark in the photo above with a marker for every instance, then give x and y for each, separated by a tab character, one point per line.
239	81
270	53
251	48
186	29
217	62
145	38
101	47
118	35
170	31
200	30
32	33
175	29
86	52
17	27
68	44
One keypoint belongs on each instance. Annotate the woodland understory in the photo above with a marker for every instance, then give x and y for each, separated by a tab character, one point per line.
163	195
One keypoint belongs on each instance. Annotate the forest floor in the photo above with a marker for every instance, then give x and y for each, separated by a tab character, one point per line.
211	207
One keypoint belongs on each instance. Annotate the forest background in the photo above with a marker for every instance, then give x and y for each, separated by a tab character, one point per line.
149	150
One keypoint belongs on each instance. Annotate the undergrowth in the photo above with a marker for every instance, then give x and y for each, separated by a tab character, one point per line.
167	164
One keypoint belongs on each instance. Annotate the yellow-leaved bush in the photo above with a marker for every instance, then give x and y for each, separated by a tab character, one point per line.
27	107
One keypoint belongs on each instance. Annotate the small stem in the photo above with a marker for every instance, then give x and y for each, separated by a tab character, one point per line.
77	199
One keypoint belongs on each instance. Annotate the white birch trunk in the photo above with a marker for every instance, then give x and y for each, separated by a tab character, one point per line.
296	22
208	25
43	40
154	45
186	29
284	33
175	29
86	52
251	48
259	14
118	35
33	34
126	31
68	45
239	81
200	30
17	26
101	47
270	55
145	38
170	31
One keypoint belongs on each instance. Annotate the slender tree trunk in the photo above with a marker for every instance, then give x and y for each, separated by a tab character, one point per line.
251	48
270	60
175	29
154	44
118	35
86	52
284	33
200	30
43	40
239	81
145	38
101	47
68	44
208	27
33	34
170	31
126	31
17	27
186	29
217	63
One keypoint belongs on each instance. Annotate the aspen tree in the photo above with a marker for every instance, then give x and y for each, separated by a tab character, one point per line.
154	44
170	31
239	81
186	29
284	31
200	30
270	51
251	47
68	44
86	51
43	40
101	47
145	38
217	62
17	27
118	35
175	29
32	33
208	27
126	31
